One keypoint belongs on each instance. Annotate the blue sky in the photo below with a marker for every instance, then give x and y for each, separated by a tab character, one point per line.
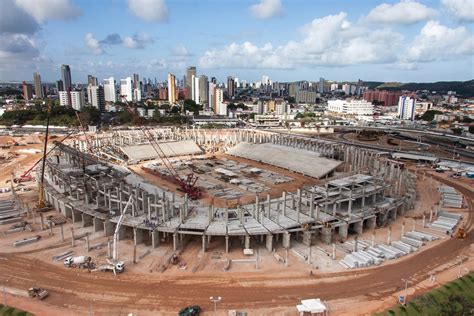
403	40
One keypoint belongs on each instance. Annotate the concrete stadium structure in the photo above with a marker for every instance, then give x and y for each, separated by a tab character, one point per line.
93	187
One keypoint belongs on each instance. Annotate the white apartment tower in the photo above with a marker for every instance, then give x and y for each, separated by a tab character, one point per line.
406	108
171	88
109	90
126	89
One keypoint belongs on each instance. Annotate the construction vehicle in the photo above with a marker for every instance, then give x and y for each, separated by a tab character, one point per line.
38	293
190	311
41	205
78	262
461	233
116	267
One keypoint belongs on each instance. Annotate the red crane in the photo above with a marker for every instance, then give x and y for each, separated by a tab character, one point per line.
187	185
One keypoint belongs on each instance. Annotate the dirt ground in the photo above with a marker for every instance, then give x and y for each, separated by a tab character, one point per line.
248	197
271	289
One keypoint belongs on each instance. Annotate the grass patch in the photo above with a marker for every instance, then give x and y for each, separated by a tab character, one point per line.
453	298
11	311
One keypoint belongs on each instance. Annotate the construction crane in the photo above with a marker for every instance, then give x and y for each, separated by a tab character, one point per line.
41	204
83	130
188	184
117	229
26	176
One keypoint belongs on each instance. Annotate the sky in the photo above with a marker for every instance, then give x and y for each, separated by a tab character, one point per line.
288	40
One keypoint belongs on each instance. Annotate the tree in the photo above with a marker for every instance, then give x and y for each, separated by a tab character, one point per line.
471	129
191	106
90	115
299	115
430	114
124	117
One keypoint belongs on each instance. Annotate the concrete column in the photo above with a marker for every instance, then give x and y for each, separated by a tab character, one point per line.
109	228
358	227
72	237
62	232
356	243
203	243
226	244
333	251
343	231
269	243
247	242
155	239
389	238
98	224
87	243
424	219
109	249
373	238
175	241
284	203
403	229
286	240
137	235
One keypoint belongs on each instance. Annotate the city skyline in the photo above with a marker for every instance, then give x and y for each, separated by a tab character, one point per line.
372	40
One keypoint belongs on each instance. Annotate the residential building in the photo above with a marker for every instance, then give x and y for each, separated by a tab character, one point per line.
96	97
212	96
126	89
76	98
109	90
137	94
352	107
321	85
334	86
91	80
230	87
27	91
190	73
195	89
38	86
282	108
306	96
346	88
203	90
171	88
389	98
66	77
220	100
59	85
406	108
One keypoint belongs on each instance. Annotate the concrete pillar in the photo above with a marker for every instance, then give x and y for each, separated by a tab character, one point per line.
286	240
137	235
87	243
155	239
343	231
389	238
72	237
62	232
403	229
247	242
50	228
175	241
98	225
326	235
226	244
358	227
424	219
284	203
373	238
109	249
356	243
269	243
203	243
431	216
109	228
333	251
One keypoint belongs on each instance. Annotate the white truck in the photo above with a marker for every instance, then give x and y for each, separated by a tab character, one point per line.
79	262
117	267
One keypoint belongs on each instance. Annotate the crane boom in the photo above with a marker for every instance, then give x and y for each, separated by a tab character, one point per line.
117	228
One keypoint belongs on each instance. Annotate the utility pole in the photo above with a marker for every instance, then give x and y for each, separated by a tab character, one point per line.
215	300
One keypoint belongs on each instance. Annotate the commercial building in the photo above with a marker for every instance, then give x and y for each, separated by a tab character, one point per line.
306	96
171	88
219	109
27	91
77	99
190	73
126	89
334	86
109	90
38	86
321	85
203	90
230	86
91	80
212	96
353	107
406	108
66	77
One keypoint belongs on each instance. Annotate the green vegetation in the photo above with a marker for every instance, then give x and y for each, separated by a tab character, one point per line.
191	106
454	298
11	311
233	106
429	115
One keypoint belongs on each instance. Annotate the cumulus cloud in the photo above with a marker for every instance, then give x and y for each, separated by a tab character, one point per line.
149	10
327	41
93	44
180	51
266	9
439	42
112	39
42	10
17	47
461	9
15	20
137	41
404	12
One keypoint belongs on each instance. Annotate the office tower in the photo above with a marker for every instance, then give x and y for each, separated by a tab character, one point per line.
221	107
171	88
109	90
27	91
136	81
321	85
91	80
74	99
230	87
190	72
96	97
203	89
38	86
66	77
406	108
214	80
126	89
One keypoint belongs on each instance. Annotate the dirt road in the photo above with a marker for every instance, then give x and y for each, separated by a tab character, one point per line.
151	293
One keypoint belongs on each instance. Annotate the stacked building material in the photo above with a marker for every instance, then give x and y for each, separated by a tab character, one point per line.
450	197
446	222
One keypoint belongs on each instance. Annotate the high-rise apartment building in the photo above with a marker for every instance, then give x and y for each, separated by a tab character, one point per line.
212	96
59	85
171	88
27	91
203	90
126	89
96	97
74	99
195	89
190	73
230	87
406	108
109	90
221	107
66	77
321	85
38	86
91	80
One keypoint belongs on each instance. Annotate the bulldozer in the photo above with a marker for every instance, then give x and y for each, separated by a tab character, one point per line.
461	233
37	292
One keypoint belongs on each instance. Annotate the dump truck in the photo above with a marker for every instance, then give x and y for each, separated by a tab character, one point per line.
78	262
38	293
